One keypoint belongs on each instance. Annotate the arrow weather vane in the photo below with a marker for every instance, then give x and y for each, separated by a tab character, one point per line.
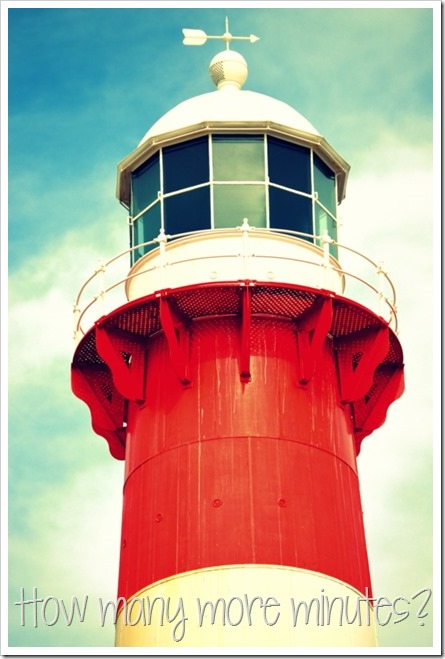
199	37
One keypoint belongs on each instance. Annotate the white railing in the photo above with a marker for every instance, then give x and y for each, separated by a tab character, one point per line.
363	280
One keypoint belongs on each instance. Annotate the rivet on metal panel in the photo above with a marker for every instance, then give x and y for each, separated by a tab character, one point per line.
216	503
159	517
282	503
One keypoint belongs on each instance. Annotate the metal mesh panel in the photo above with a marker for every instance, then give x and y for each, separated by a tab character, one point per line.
104	382
97	380
204	301
142	319
231	326
281	301
354	345
86	352
395	354
350	318
364	407
263	329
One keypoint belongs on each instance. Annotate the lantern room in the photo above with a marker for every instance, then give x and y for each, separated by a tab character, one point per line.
230	156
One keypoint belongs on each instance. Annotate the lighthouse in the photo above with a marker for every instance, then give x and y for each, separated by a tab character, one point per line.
236	367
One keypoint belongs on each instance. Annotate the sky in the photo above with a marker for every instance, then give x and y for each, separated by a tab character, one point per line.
85	81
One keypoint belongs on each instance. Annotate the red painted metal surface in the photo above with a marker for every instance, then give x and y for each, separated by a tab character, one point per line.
276	455
239	409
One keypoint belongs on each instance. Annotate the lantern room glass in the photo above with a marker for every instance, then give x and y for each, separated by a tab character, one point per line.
324	186
145	184
188	211
217	180
238	157
145	187
145	229
232	203
185	164
289	164
290	211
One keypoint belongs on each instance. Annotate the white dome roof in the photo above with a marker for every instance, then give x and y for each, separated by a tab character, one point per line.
228	108
229	104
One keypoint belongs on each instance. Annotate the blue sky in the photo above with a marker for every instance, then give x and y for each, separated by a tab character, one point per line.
84	86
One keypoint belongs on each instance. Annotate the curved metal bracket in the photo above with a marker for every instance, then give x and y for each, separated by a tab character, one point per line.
359	355
312	330
125	358
174	323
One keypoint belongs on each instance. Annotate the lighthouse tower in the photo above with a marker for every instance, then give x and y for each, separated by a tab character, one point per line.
237	377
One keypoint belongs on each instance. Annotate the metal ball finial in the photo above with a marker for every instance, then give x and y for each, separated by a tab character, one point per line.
228	69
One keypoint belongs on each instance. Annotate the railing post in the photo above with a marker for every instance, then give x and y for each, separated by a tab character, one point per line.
326	241
76	315
245	228
162	240
381	277
100	271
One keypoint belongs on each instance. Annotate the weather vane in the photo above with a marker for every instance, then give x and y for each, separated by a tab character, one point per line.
199	37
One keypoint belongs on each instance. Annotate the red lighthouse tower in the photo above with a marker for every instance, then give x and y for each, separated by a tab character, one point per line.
237	379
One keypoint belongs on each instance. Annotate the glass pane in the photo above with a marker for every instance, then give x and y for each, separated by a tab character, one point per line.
324	222
145	185
186	164
324	184
232	203
238	157
147	227
289	165
290	211
187	211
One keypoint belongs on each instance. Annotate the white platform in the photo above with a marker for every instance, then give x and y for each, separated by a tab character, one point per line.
231	255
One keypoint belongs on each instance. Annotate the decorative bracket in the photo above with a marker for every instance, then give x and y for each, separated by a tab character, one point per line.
375	417
125	358
246	317
359	355
93	385
174	323
312	330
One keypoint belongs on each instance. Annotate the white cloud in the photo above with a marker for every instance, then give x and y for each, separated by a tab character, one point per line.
75	530
388	215
40	330
42	293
